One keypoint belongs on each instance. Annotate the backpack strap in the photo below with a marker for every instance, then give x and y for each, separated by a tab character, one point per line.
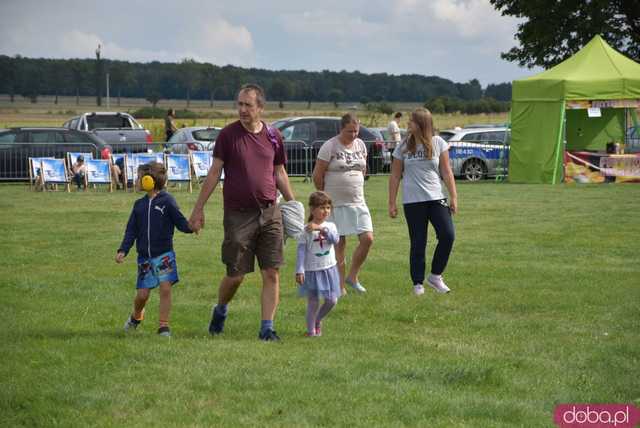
272	135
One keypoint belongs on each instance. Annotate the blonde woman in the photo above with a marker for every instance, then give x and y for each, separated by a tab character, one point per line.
339	171
419	162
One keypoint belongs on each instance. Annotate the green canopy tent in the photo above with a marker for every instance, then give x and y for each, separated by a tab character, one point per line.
597	75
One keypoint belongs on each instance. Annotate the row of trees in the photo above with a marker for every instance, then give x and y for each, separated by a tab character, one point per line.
189	80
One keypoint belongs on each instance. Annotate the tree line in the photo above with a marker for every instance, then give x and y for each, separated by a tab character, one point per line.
190	80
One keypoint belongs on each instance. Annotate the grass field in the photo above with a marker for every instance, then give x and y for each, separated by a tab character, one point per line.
544	310
45	113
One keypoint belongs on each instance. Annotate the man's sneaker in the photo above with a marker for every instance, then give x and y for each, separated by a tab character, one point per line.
418	290
436	282
307	334
217	322
164	331
356	286
318	331
268	335
131	323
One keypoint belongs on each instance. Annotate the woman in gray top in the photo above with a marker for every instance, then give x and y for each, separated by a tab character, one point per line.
419	161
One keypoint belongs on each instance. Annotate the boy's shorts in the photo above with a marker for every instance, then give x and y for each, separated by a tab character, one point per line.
151	272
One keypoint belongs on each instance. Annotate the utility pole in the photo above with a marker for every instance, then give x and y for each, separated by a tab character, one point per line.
108	106
98	77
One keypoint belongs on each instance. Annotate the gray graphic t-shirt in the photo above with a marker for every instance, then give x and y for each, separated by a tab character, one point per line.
421	177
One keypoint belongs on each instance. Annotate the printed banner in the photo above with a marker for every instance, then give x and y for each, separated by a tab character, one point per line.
53	171
201	162
587	104
620	165
73	156
98	171
36	165
178	168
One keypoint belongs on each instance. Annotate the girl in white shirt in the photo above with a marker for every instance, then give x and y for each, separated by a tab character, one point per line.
316	266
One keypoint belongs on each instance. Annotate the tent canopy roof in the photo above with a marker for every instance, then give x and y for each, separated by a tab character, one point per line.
596	72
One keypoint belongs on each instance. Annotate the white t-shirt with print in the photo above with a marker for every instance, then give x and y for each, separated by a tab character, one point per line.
319	252
344	178
421	177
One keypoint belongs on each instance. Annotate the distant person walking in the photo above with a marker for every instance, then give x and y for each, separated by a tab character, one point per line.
339	171
394	130
253	158
419	161
169	124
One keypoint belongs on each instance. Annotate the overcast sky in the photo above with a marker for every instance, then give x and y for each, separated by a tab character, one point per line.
454	39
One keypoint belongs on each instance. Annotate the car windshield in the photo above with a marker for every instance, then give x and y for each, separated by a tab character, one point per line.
367	134
446	135
206	134
103	121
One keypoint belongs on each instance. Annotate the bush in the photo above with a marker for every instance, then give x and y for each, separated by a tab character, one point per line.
149	113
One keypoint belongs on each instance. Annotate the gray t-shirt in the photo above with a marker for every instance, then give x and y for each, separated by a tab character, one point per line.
421	177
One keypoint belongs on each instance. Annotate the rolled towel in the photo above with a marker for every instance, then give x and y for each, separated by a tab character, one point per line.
292	219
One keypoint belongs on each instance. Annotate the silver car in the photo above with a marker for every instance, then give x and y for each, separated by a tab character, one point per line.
193	138
476	153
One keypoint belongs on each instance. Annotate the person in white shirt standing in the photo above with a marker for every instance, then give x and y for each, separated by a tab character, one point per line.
394	130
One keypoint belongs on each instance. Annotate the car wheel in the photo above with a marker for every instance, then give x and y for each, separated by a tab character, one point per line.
474	170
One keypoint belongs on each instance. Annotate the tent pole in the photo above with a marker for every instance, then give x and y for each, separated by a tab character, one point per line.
560	141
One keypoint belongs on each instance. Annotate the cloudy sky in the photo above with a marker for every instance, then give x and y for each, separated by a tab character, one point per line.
454	39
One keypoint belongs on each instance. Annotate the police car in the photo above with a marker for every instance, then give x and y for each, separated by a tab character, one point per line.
478	152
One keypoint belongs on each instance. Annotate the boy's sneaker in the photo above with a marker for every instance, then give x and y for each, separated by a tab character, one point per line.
164	331
436	282
217	322
356	286
318	331
418	290
131	323
268	335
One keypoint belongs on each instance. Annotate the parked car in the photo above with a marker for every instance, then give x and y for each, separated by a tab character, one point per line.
303	137
119	129
193	138
17	145
476	153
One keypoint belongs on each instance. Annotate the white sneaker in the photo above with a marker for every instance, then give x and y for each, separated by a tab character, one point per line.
356	286
418	289
436	282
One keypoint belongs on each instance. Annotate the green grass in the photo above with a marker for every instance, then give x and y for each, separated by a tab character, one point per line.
544	310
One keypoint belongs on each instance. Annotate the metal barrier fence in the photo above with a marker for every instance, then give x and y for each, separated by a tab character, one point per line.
14	157
472	161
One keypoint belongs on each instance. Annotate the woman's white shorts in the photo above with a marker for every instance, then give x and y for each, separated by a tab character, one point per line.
351	220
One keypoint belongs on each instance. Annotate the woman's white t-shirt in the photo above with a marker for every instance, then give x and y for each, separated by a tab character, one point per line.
421	177
344	178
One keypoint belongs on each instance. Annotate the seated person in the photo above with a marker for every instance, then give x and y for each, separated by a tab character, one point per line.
79	172
115	169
